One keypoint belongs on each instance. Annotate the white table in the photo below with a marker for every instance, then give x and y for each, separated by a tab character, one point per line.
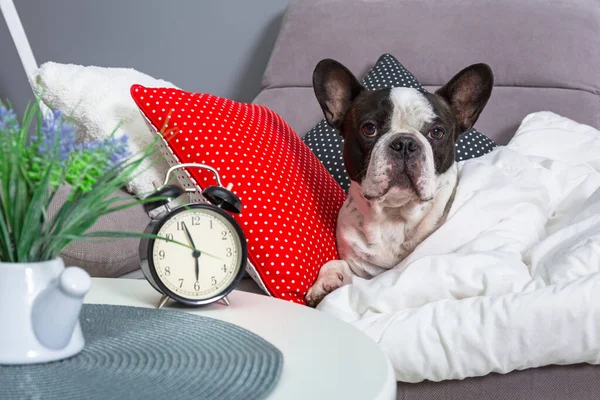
324	358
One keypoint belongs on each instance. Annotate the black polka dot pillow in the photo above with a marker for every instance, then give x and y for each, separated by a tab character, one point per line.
290	200
326	143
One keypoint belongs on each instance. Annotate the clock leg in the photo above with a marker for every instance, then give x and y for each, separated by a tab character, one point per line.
163	301
226	301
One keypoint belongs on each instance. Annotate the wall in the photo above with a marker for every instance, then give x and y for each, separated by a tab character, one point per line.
215	46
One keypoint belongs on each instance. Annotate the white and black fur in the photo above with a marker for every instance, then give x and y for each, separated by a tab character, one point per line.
399	149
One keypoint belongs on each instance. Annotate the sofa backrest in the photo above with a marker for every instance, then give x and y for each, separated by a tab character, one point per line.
545	53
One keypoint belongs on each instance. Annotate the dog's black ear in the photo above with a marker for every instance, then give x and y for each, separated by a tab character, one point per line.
335	88
468	92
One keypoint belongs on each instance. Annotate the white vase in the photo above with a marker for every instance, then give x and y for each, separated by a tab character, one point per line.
39	311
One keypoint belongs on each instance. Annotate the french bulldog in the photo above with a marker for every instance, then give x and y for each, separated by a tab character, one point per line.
399	152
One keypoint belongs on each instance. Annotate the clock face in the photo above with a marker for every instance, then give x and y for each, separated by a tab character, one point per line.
207	271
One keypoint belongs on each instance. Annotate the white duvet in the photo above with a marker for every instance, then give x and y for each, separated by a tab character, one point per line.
511	280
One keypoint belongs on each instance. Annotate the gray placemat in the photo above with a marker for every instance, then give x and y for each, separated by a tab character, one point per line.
140	353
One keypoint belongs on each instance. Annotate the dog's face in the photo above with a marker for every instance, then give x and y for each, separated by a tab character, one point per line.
398	142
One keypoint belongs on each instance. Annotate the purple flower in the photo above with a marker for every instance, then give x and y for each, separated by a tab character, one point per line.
56	133
114	150
8	119
119	150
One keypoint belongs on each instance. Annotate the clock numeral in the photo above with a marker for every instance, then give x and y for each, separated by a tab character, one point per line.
195	220
197	286
180	225
224	267
224	235
167	271
161	254
169	236
228	252
213	281
211	224
180	282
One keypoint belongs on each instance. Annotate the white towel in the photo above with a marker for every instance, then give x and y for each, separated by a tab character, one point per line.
99	102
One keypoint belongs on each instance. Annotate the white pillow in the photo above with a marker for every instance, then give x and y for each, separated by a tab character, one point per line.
98	101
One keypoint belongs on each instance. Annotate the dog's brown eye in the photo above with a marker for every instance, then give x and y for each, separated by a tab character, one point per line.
436	133
369	129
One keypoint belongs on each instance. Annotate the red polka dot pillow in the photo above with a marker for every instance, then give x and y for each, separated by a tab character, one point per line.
290	200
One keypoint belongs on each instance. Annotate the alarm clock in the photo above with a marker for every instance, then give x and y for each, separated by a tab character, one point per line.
213	260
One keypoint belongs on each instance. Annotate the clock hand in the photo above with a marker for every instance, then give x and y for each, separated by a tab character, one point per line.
187	235
196	253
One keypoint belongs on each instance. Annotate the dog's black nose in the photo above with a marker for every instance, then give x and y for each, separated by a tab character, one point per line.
404	144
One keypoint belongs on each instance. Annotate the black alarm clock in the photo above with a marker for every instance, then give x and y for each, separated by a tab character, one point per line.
213	263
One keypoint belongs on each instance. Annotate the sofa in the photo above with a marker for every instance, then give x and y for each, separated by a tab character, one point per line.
545	55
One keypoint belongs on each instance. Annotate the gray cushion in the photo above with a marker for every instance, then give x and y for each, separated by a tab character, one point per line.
106	258
537	65
580	382
542	43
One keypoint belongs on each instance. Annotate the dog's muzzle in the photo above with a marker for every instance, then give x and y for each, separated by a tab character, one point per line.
399	165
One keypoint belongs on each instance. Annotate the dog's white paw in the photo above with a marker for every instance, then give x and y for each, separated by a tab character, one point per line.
324	285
